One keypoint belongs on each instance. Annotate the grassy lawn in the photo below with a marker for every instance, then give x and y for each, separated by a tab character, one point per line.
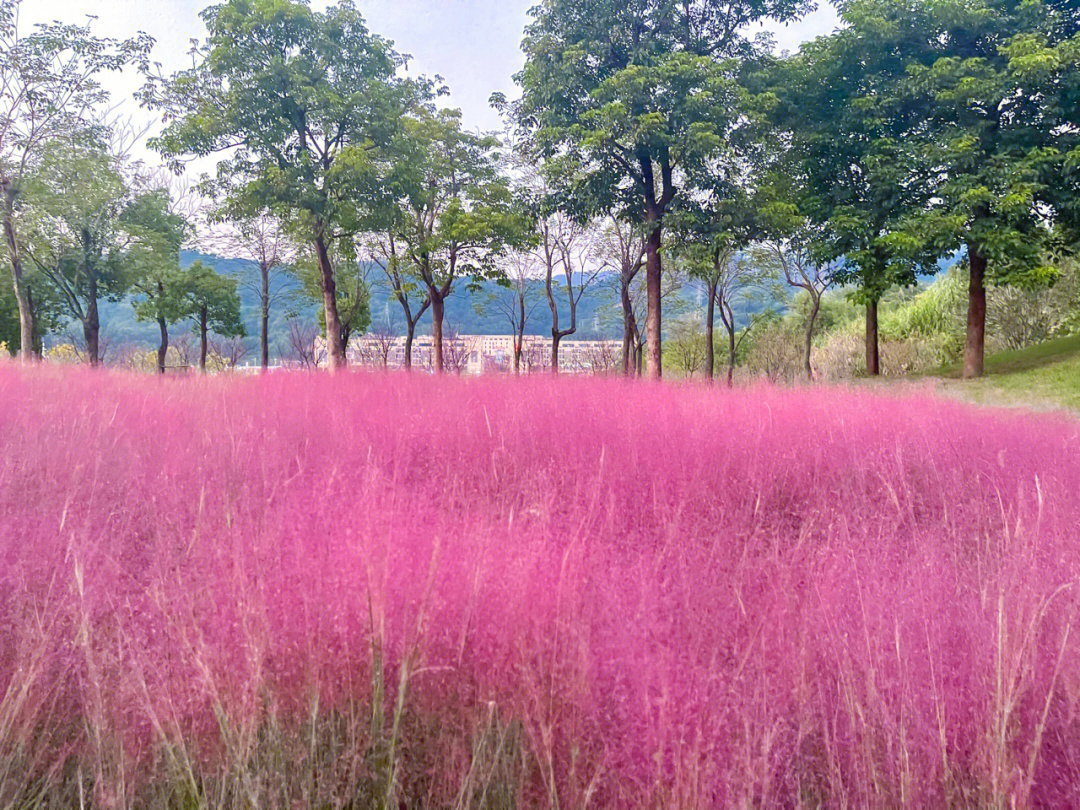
1046	376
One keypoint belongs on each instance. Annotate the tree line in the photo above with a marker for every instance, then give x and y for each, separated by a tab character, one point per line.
649	138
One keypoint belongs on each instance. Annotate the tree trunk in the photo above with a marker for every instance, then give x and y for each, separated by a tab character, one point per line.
629	352
437	313
710	320
264	318
202	339
519	337
409	335
92	324
652	285
810	337
163	348
334	345
731	354
556	338
873	354
975	342
22	295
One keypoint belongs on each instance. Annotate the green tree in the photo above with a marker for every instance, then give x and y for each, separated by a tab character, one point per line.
49	88
842	159
211	302
627	100
999	96
73	232
299	103
153	258
457	214
711	232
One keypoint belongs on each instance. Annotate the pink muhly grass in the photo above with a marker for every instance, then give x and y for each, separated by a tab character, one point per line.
578	592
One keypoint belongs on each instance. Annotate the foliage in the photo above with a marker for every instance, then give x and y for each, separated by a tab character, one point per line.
72	223
995	94
204	293
351	290
49	89
154	257
299	105
847	176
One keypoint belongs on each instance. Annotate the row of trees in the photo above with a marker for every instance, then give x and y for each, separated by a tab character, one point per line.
916	132
83	222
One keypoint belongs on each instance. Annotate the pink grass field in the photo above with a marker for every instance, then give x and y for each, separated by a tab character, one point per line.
359	590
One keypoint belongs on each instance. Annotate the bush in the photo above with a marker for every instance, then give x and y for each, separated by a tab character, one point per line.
303	590
775	351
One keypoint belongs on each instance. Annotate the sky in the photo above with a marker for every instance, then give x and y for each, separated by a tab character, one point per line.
473	44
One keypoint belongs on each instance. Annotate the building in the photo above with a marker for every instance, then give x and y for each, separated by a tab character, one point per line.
485	354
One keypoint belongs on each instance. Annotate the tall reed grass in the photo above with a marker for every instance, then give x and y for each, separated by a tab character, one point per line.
397	591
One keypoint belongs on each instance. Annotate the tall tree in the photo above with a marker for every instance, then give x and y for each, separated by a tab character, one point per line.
458	212
841	150
624	247
299	104
210	301
999	95
261	239
74	202
49	88
153	258
630	99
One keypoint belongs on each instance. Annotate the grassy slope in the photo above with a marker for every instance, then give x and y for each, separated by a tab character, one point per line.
1042	376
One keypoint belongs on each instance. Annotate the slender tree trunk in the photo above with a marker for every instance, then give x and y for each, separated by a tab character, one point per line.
264	318
438	310
710	321
38	339
556	338
975	342
873	354
22	294
334	344
409	335
163	347
652	286
731	354
92	324
810	337
519	336
202	339
629	352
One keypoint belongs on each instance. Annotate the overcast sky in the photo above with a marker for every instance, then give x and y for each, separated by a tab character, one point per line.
473	44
